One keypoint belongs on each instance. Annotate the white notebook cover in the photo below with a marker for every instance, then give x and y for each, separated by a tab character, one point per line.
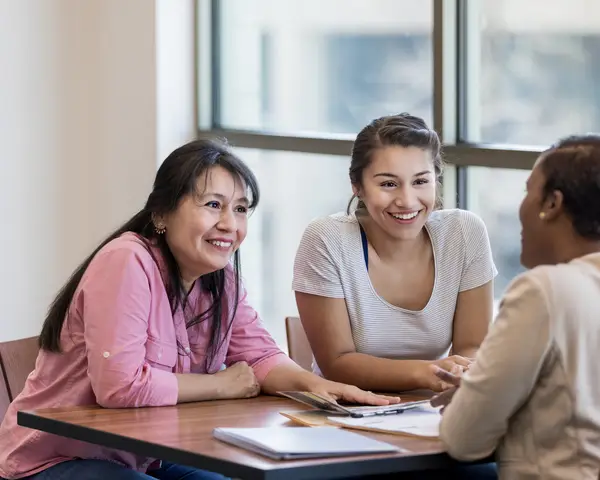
285	443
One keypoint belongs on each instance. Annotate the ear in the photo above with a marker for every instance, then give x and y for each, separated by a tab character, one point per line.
356	190
553	205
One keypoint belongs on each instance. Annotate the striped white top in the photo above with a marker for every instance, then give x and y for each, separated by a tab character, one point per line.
330	263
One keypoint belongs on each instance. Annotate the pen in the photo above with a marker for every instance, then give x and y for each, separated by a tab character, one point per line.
376	414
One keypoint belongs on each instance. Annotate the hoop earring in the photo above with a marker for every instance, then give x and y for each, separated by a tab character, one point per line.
160	229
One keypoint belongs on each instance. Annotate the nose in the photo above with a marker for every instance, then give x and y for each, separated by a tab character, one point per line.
405	197
227	221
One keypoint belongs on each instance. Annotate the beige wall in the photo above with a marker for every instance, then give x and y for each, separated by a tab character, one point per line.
81	91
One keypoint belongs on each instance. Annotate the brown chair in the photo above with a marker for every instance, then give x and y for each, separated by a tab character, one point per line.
4	398
298	346
17	361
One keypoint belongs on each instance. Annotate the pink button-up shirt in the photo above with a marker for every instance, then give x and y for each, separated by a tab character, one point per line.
120	349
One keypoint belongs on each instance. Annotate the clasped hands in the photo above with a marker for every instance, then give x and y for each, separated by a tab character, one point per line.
448	373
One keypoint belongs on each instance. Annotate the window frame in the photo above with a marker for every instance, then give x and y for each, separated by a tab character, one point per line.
454	34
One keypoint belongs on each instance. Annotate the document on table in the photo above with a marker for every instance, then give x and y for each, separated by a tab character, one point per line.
420	421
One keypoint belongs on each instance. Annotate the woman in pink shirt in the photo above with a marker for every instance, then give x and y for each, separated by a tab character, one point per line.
150	317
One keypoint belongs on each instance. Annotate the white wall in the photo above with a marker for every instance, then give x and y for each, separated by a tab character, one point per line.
175	74
81	90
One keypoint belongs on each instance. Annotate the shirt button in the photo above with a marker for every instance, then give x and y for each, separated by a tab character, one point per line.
106	354
188	350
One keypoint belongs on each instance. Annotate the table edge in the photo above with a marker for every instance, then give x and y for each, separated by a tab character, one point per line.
354	467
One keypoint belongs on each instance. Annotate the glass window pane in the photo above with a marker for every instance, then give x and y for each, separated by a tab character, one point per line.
295	189
495	194
534	67
323	66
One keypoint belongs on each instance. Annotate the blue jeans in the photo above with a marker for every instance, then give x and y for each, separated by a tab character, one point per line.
103	470
482	471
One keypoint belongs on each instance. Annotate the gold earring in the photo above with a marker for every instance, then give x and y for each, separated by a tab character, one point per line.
160	229
542	215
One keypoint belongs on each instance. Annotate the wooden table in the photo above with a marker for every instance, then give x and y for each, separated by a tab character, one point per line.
183	434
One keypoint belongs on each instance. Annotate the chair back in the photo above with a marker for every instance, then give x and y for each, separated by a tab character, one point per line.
298	345
4	398
17	361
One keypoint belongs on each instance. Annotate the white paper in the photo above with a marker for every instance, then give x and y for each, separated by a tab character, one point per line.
421	421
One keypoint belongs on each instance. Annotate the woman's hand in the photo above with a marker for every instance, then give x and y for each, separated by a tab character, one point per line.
444	398
238	381
454	365
349	393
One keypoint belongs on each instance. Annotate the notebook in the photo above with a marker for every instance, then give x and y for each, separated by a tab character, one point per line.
322	403
290	443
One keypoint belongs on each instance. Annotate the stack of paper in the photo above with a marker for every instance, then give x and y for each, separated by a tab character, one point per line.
283	443
422	422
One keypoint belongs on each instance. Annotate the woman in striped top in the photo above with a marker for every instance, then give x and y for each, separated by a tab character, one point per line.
388	291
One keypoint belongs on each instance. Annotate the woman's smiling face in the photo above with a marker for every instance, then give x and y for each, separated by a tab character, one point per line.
208	226
399	190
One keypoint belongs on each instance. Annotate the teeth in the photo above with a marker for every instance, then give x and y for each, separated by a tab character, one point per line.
405	216
220	244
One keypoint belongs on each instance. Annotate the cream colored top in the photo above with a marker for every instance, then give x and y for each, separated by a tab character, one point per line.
533	394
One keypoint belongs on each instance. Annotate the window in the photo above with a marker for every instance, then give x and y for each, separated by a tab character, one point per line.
322	66
290	84
295	189
539	66
495	194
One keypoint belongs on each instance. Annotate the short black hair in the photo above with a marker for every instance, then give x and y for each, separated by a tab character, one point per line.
572	166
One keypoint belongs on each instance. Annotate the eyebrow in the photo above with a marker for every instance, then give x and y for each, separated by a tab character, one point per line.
223	198
386	174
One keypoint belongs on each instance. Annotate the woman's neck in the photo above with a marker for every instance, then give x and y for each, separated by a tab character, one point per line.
187	282
187	286
389	249
573	248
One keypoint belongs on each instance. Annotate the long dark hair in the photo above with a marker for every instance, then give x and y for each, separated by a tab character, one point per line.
176	178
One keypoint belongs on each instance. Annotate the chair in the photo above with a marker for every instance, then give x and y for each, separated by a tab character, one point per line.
4	397
17	361
298	345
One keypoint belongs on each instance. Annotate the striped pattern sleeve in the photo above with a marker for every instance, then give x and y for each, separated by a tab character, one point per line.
479	266
317	259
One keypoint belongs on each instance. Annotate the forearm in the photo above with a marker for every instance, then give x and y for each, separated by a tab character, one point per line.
507	369
466	351
288	377
376	374
195	387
